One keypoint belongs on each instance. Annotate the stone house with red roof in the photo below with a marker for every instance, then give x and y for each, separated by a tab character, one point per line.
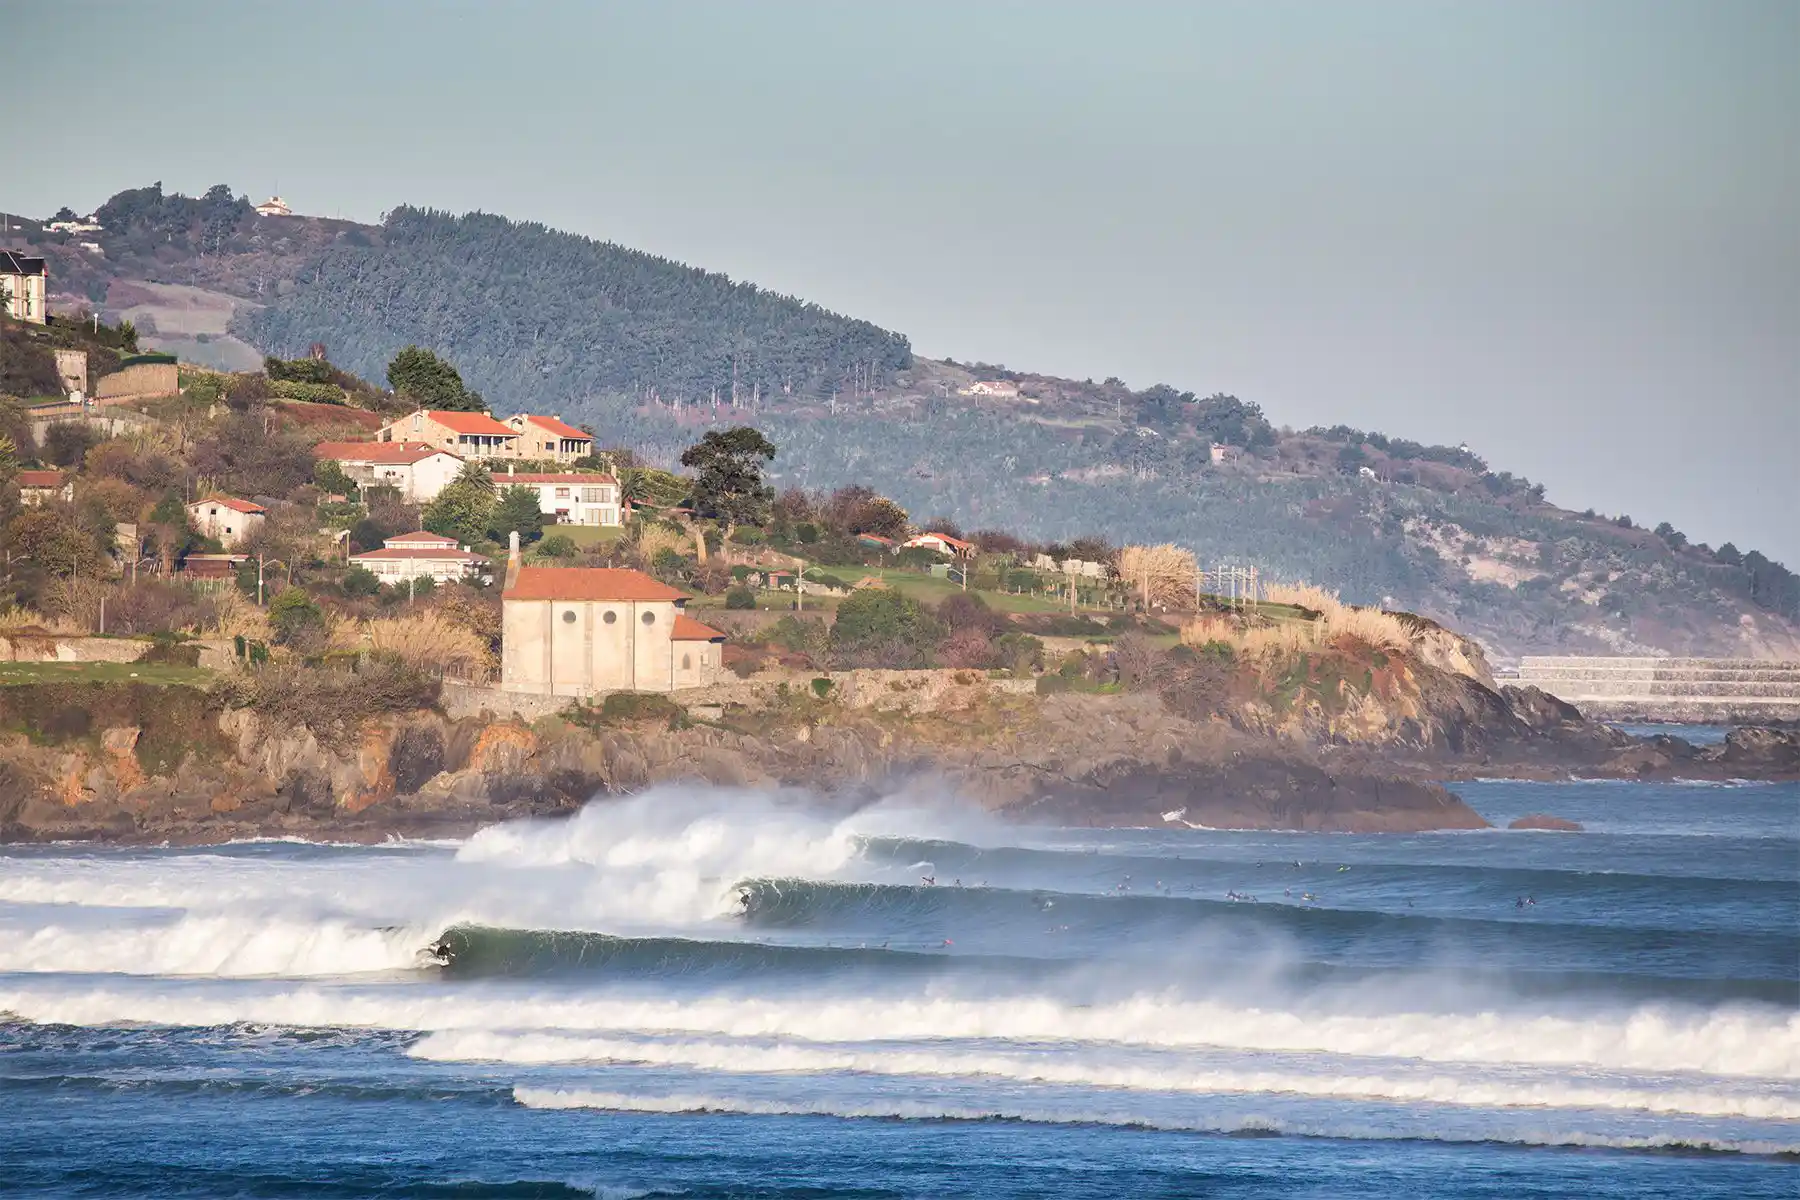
468	435
226	519
550	438
581	631
421	555
38	487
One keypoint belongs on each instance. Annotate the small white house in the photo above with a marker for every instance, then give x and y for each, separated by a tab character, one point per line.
943	543
418	471
274	206
38	487
421	555
570	498
1003	389
230	520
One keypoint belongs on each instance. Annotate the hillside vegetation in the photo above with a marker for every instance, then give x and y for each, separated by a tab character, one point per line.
649	353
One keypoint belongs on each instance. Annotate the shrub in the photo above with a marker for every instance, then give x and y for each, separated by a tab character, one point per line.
1019	652
332	704
429	641
296	618
821	687
557	545
740	598
620	707
360	581
310	393
883	628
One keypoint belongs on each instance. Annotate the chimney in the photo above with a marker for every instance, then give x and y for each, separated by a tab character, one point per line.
512	558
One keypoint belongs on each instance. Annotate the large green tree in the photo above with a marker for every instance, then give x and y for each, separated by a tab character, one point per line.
418	375
464	507
728	480
880	628
517	509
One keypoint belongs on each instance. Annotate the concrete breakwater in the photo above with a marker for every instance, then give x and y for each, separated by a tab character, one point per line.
1734	691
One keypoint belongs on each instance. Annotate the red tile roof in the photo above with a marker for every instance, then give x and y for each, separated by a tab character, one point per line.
559	428
687	629
468	422
384	453
955	543
587	583
421	535
449	554
231	502
501	480
40	479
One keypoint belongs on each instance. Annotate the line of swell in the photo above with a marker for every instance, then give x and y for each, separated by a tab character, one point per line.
553	1098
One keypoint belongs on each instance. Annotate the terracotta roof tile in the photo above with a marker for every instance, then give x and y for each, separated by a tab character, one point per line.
468	422
687	629
40	479
387	453
560	428
501	480
587	583
231	502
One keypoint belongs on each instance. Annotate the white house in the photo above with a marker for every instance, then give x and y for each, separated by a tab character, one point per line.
36	487
421	555
227	519
943	543
578	631
1002	388
417	470
572	498
274	206
24	285
550	437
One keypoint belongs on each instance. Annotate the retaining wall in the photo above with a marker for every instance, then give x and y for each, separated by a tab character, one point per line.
1717	690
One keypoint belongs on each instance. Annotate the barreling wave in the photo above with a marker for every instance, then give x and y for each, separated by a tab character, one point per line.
690	1103
1561	955
473	950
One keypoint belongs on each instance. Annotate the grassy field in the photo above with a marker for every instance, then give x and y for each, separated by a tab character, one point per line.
931	589
13	674
586	535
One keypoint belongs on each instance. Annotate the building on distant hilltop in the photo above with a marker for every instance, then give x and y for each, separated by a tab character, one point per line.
226	518
417	470
24	285
572	498
550	437
943	543
86	224
578	631
1005	389
274	206
39	487
1222	453
421	555
465	434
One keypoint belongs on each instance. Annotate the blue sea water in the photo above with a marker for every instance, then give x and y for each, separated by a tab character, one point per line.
703	992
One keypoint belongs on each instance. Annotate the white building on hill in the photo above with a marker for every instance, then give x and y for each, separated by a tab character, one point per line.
421	555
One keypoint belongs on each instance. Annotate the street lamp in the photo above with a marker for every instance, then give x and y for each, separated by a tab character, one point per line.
800	587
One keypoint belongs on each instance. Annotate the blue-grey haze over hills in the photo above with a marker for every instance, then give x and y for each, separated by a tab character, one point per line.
1564	234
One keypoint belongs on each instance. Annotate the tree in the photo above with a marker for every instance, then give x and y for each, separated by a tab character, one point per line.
517	509
728	484
421	377
878	627
360	581
558	545
330	477
66	443
1730	555
296	619
463	509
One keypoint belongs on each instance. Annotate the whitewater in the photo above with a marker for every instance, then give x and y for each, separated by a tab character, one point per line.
703	991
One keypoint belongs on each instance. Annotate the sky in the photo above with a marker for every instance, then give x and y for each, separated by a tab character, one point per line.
1567	234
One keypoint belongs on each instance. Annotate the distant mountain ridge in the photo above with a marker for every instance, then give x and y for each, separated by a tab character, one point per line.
649	351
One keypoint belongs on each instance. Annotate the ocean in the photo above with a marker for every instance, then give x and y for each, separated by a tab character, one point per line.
704	992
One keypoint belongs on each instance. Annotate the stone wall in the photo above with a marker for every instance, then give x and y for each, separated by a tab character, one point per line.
30	647
1702	690
145	381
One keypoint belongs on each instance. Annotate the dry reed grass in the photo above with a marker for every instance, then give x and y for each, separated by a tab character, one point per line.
652	540
233	615
1165	575
429	642
17	619
1270	644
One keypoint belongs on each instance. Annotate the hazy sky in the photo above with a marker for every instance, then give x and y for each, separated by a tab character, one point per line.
1567	233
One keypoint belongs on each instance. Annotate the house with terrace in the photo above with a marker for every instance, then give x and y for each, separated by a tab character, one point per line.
421	555
572	497
468	435
550	438
417	470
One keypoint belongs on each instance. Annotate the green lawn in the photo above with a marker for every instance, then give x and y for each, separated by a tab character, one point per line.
14	673
586	535
932	589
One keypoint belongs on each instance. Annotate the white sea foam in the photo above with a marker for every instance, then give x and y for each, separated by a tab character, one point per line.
925	1110
1749	1043
213	946
1321	1080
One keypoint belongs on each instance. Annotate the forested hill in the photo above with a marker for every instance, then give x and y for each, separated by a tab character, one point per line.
649	352
545	316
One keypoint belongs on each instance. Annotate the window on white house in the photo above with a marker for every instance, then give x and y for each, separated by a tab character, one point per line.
687	662
562	493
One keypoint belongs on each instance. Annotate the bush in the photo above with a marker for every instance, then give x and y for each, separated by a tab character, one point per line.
296	618
620	707
883	628
821	687
332	704
740	598
558	545
310	393
1019	652
360	581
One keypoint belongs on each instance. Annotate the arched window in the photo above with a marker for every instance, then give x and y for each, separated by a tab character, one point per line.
687	662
